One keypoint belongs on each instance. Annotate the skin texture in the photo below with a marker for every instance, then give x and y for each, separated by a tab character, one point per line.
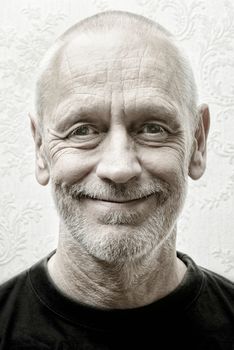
118	148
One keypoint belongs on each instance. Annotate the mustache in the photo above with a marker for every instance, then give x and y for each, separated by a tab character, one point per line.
115	192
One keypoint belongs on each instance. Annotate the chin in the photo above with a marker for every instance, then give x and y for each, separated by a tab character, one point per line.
120	243
119	235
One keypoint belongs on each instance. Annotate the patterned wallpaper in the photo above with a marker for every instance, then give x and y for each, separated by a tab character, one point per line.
28	221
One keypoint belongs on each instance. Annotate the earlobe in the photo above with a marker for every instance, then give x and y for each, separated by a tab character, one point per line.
41	167
197	164
42	175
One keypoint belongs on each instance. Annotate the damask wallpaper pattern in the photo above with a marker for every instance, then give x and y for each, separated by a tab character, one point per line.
28	221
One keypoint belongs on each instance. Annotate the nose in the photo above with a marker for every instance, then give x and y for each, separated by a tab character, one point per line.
118	162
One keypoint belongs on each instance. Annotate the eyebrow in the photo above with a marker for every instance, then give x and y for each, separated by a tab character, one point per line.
160	110
73	113
164	112
74	117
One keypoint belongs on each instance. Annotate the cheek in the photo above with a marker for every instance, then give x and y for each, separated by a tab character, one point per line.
70	168
165	163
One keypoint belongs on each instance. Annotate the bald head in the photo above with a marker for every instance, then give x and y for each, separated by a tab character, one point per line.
111	30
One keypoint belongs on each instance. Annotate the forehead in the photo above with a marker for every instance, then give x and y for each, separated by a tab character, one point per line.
109	60
97	67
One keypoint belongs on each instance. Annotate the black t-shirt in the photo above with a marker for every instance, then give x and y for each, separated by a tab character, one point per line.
198	314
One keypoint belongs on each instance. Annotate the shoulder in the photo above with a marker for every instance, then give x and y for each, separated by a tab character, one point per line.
211	306
217	281
218	286
215	305
19	284
12	286
11	291
207	280
17	298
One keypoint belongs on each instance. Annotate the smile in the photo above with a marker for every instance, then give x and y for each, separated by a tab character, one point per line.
117	201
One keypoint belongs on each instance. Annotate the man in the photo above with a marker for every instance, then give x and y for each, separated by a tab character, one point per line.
117	132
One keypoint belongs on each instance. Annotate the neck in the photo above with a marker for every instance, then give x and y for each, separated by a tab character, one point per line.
129	284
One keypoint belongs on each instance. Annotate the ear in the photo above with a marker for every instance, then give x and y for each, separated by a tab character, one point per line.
197	164
42	168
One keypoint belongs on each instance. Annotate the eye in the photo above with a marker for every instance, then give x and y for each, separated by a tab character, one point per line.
84	130
152	132
152	128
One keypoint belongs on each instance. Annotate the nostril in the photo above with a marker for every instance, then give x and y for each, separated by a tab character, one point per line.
118	172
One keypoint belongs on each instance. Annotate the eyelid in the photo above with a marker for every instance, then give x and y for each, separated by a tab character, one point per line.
67	133
159	124
83	124
153	137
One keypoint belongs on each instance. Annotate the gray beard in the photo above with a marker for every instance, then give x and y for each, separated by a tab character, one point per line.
120	235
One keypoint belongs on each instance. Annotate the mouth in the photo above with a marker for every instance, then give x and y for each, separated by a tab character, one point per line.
115	200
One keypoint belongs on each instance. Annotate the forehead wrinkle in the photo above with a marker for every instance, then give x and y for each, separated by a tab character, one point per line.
69	71
112	36
118	72
122	56
117	65
61	71
139	74
115	48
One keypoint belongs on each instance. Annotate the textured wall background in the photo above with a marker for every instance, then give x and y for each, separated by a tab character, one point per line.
28	221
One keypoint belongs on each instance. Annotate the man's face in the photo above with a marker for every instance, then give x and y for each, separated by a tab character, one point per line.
117	142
